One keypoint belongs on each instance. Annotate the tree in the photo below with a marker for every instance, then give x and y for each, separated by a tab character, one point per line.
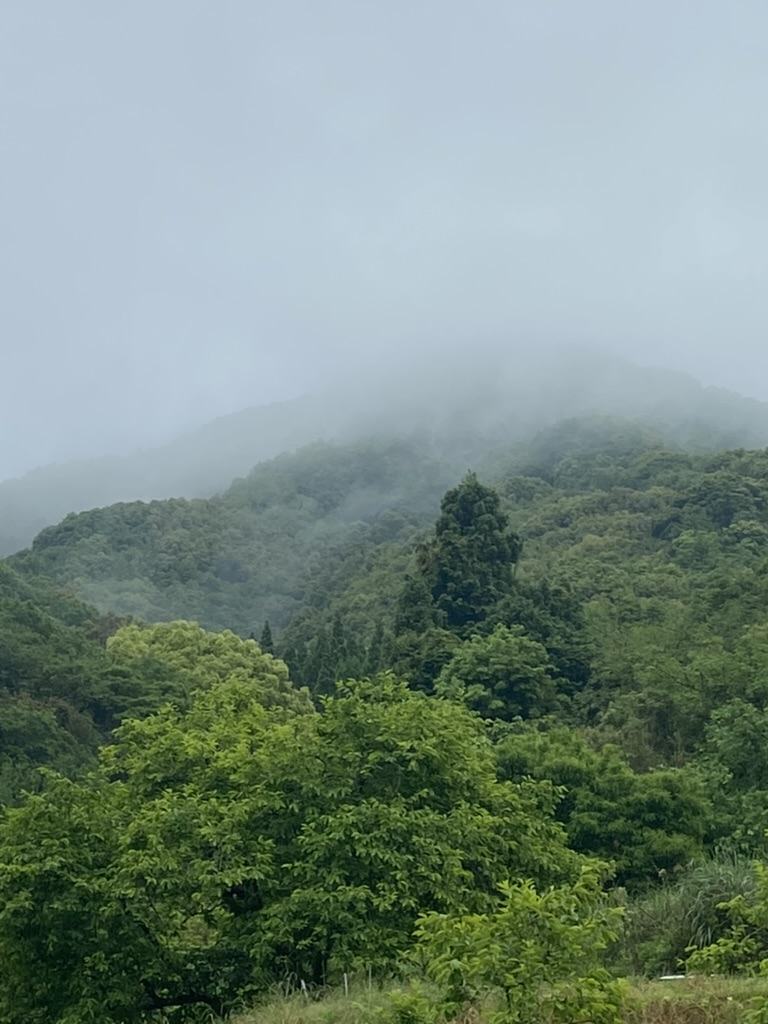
645	824
503	675
169	661
319	669
415	612
541	950
376	651
734	762
50	694
110	907
33	735
420	657
472	560
266	643
460	577
220	847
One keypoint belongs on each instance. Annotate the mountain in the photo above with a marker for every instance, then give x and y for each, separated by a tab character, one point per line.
239	558
460	406
584	616
333	526
641	582
596	594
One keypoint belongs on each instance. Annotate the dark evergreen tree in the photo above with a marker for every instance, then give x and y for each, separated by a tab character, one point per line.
337	642
266	643
352	665
415	611
320	671
296	658
473	557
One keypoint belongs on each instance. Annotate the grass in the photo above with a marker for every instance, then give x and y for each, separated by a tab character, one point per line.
661	926
360	1006
693	1000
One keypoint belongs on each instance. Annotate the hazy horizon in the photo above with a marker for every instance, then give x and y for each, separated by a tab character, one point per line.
206	207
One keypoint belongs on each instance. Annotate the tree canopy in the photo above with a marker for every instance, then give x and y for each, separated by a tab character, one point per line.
217	848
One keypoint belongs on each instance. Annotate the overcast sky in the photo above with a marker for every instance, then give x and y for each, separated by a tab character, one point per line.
206	204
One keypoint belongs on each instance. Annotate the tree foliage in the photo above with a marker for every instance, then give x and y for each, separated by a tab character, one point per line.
474	554
220	848
503	675
540	950
170	660
648	825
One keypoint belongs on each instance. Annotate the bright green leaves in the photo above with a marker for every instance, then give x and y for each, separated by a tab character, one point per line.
538	949
170	660
62	926
222	847
400	811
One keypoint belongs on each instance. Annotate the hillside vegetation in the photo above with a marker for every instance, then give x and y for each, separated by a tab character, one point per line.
365	714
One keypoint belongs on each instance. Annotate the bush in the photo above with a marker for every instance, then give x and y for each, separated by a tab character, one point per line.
539	953
662	926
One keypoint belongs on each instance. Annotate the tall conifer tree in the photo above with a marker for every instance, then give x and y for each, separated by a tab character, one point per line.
472	559
266	643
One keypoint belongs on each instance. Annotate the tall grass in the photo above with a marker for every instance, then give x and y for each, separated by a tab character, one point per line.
684	912
694	1000
361	1003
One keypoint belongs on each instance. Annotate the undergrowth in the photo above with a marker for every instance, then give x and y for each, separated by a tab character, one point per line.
693	1000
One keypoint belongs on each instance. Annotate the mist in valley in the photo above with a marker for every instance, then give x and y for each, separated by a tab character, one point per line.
461	409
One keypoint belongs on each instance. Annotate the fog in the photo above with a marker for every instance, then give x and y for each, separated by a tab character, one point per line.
205	206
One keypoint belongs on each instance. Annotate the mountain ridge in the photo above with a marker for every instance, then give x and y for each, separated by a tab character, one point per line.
461	406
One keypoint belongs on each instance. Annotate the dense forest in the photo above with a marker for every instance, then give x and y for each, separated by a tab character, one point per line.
365	712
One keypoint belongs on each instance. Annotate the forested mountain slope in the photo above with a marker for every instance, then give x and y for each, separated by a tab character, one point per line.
568	645
306	532
53	704
642	572
460	406
69	676
249	555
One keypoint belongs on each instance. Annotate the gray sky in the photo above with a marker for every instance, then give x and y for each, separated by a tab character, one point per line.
204	205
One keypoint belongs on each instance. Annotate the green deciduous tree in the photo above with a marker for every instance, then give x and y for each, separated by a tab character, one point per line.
646	824
539	949
734	762
221	847
169	661
503	675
